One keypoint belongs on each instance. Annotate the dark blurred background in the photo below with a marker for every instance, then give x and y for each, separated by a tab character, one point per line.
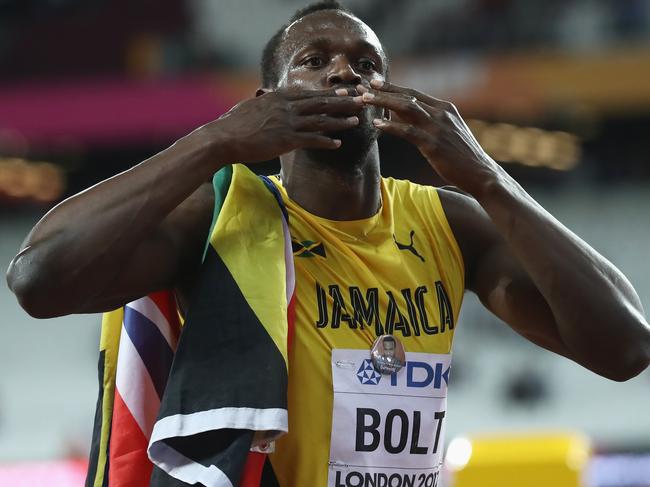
558	91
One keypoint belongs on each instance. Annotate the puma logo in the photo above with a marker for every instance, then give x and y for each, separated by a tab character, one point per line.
410	247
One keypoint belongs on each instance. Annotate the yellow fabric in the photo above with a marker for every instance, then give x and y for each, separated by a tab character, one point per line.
360	254
251	254
109	343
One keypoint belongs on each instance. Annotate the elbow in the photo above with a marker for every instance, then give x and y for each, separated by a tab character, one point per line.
624	352
28	288
640	363
631	361
630	371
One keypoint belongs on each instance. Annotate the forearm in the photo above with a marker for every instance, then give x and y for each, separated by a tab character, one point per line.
597	313
589	303
82	244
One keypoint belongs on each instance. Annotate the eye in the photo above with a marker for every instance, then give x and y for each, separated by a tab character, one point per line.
366	65
314	62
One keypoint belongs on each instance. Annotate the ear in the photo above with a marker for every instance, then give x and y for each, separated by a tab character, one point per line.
261	91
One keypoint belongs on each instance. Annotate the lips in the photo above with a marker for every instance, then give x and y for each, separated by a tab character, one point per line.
363	114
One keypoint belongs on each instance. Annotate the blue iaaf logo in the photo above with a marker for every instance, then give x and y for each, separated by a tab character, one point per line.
434	375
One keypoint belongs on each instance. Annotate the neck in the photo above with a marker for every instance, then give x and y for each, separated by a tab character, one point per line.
336	191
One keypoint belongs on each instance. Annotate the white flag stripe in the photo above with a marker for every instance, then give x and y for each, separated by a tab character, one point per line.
182	468
269	419
288	261
147	307
135	386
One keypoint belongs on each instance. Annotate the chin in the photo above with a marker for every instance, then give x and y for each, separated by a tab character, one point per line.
355	145
357	138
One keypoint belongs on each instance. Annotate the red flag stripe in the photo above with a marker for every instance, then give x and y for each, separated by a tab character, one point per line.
166	303
252	475
128	461
135	386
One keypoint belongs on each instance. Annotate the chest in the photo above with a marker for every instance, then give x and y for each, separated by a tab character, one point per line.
351	289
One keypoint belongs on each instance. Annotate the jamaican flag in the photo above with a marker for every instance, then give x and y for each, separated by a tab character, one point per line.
198	403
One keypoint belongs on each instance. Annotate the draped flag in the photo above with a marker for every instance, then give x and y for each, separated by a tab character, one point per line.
148	339
194	404
144	335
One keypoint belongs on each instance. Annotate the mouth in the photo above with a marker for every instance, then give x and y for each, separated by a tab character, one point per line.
364	114
352	90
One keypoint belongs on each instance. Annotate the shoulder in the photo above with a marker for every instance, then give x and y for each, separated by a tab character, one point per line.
460	207
471	225
406	196
457	205
406	188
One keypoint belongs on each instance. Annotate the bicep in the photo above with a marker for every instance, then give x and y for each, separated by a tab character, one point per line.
166	258
495	275
505	289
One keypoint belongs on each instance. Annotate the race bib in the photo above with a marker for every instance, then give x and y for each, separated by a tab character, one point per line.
387	430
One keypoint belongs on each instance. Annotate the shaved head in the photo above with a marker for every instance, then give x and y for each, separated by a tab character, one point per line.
276	49
314	30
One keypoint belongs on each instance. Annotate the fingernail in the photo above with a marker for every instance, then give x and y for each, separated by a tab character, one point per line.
378	122
358	99
362	89
341	91
354	120
376	83
337	142
367	96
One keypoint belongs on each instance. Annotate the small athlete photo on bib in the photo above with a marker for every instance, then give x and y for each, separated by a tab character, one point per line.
387	354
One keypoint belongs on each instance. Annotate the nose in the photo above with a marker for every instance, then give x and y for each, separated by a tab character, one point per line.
342	73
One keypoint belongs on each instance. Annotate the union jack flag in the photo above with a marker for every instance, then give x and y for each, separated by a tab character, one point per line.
148	339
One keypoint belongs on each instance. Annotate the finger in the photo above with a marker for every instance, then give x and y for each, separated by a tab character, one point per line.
329	105
387	87
315	141
347	91
306	94
324	123
362	89
425	141
406	107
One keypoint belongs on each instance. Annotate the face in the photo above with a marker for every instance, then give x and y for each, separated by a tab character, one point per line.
389	348
328	49
331	49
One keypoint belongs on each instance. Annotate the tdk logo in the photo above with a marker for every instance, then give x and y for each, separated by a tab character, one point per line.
416	374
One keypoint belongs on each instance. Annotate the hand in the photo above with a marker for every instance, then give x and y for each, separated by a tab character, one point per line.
278	122
437	129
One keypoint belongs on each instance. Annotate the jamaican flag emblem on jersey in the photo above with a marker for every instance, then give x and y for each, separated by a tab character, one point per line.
307	248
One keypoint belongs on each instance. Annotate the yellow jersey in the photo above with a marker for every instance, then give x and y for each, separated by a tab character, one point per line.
398	272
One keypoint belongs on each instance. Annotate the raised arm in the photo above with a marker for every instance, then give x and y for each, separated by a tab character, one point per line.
549	285
145	228
525	266
126	236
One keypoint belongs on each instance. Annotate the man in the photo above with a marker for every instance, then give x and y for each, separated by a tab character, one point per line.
386	358
323	103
